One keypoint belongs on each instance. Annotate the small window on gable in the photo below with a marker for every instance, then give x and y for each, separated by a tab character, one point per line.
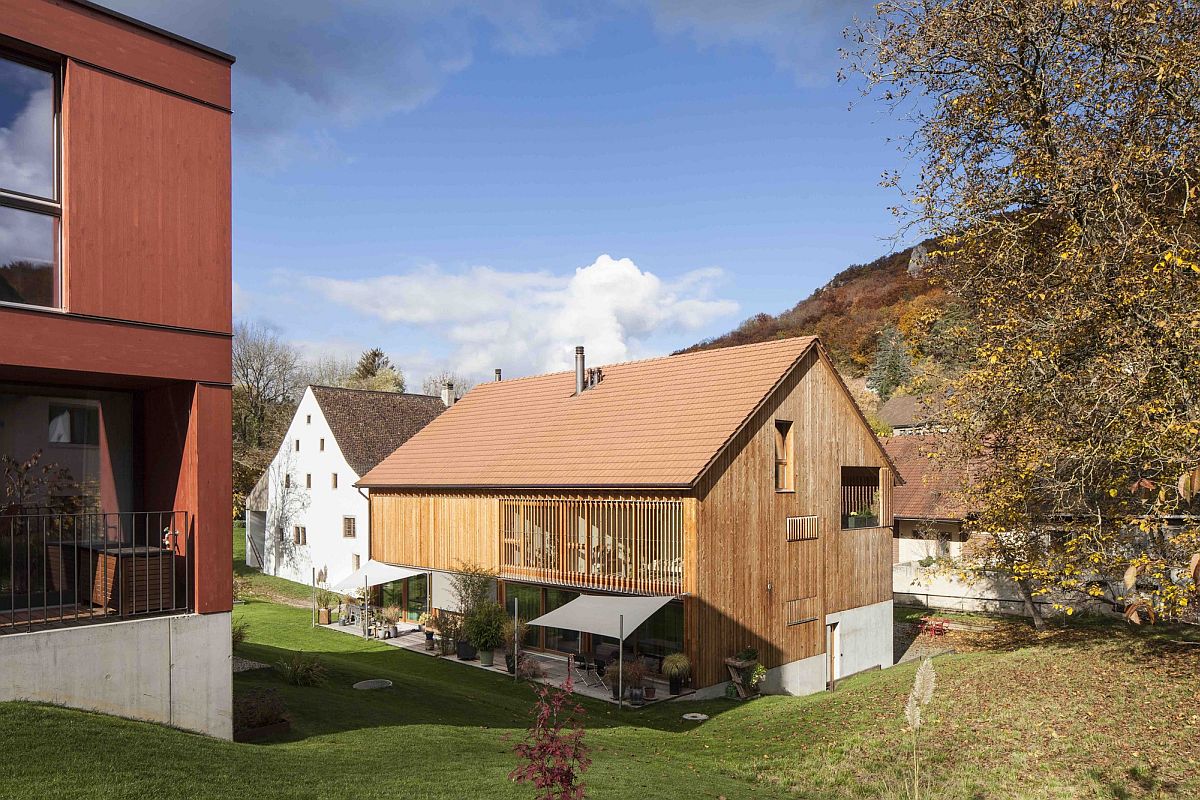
308	419
785	472
297	445
322	444
334	481
349	527
287	481
308	480
354	559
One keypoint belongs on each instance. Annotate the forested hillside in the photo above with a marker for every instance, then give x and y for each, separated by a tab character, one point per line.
848	313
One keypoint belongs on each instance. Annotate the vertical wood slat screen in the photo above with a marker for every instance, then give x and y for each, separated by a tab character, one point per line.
797	612
616	545
856	497
801	529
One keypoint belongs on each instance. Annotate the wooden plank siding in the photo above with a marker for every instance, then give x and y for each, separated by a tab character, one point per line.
752	575
435	530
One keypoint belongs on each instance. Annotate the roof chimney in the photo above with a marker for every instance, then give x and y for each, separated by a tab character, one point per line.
498	378
448	394
579	370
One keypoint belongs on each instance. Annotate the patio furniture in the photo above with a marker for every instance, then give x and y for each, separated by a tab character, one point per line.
934	626
600	668
588	668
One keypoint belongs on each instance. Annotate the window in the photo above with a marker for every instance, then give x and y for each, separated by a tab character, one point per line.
308	419
860	497
334	480
322	445
287	480
355	561
784	468
30	209
308	480
297	445
74	425
349	527
279	533
300	534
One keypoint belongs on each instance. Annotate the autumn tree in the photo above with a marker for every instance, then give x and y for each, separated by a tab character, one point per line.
1057	153
892	366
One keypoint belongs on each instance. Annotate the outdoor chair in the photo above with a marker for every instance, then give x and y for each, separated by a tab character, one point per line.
599	668
588	669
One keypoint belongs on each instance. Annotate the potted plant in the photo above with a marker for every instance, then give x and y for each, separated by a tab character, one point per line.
424	622
633	674
485	630
677	667
347	604
325	601
449	631
514	635
391	617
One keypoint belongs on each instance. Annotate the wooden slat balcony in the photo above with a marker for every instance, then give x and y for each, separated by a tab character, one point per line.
619	545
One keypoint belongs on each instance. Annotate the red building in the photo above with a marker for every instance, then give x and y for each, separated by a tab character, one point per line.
115	330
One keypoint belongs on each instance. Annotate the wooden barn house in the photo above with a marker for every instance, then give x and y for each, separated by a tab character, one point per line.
743	483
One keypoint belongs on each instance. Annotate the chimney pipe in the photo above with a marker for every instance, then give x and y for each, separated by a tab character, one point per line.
498	378
448	394
579	369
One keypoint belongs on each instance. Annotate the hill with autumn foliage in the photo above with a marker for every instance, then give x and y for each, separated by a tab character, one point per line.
848	313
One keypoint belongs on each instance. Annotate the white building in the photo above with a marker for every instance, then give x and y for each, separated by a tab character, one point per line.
305	513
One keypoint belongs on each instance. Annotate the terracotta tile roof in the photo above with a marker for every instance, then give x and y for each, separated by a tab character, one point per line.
653	423
931	485
903	410
368	426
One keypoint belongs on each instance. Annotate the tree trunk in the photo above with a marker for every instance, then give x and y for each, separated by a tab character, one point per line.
1031	608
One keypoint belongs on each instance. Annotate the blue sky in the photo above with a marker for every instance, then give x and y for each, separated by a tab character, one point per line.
445	180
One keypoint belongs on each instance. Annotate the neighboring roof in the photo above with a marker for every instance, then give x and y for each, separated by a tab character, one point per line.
903	410
368	425
648	424
932	485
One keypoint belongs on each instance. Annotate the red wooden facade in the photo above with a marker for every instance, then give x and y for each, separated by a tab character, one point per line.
144	262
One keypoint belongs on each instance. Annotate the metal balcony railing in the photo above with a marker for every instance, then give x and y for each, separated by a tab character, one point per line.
62	569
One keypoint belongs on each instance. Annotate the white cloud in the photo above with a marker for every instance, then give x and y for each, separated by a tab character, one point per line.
801	36
529	322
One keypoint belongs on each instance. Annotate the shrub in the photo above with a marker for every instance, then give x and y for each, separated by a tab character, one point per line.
514	634
471	585
392	615
257	708
529	669
677	666
747	654
633	674
484	628
302	670
326	598
237	632
450	629
553	754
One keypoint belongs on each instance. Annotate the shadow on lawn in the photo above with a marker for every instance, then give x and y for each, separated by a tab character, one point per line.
430	691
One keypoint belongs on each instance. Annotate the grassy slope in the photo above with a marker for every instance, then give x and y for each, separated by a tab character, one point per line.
1076	715
262	586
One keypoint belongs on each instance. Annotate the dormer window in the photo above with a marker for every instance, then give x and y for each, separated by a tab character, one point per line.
785	472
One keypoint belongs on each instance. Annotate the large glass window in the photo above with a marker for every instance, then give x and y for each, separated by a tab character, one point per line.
560	639
527	601
418	595
29	201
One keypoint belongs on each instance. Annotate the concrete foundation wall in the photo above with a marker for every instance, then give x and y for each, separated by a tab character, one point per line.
173	670
864	637
805	676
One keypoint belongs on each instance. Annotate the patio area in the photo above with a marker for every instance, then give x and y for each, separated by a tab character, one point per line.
555	667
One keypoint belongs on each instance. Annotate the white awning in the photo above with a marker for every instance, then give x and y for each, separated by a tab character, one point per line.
601	614
374	573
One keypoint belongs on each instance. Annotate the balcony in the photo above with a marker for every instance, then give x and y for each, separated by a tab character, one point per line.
60	569
633	546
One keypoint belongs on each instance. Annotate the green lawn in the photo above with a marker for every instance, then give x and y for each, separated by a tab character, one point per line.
254	583
1090	712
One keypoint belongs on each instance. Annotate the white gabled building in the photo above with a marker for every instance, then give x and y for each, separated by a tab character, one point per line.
305	512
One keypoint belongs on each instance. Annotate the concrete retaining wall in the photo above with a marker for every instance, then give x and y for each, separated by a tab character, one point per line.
173	670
